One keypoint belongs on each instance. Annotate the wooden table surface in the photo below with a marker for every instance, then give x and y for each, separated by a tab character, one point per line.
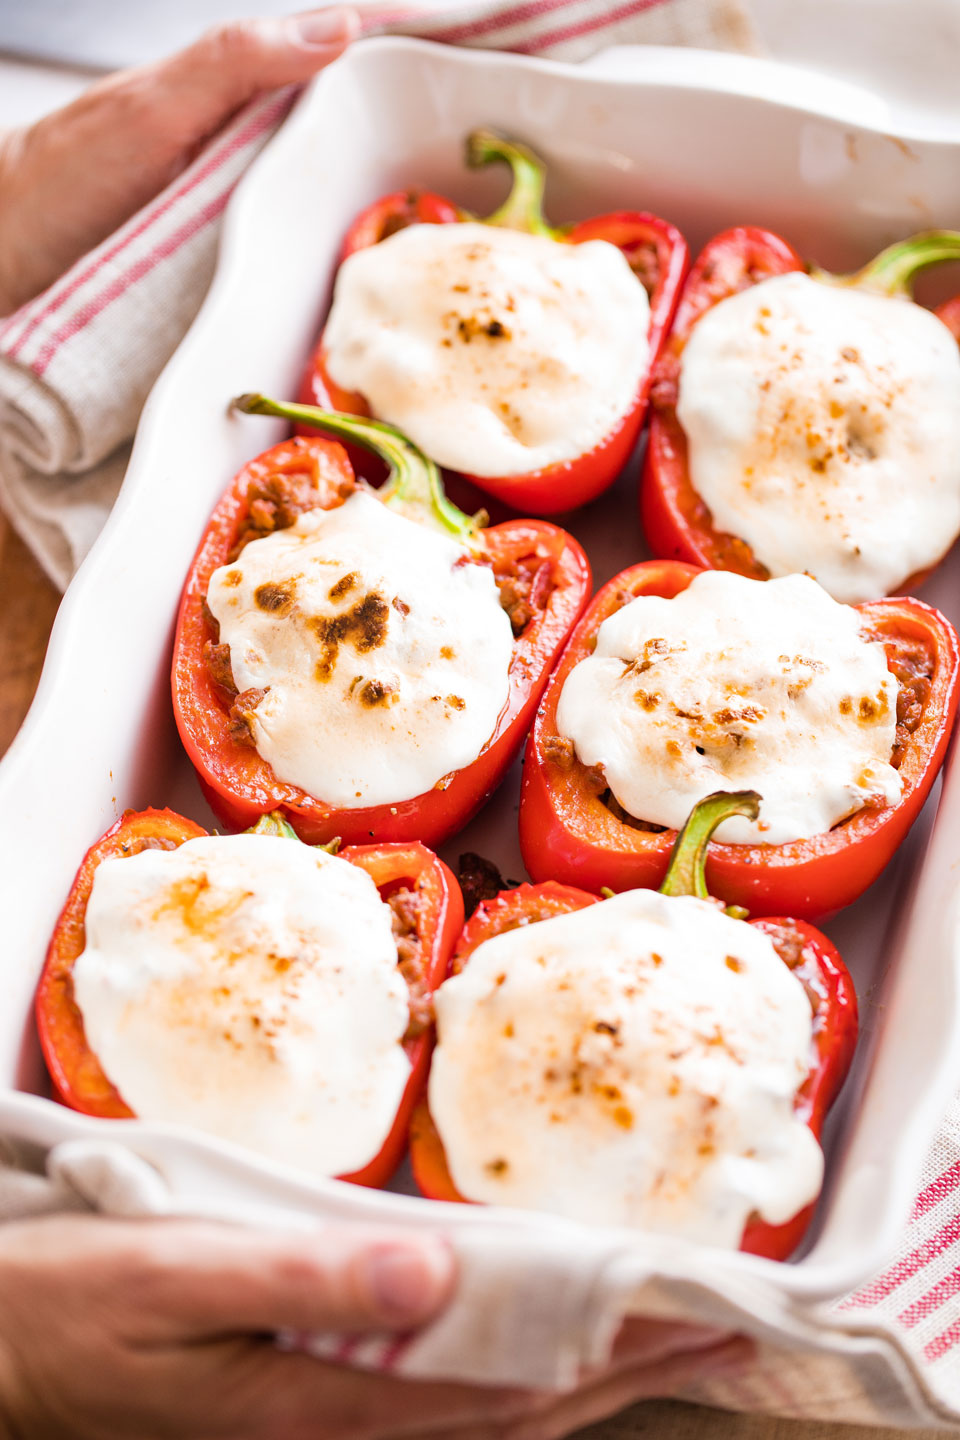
28	604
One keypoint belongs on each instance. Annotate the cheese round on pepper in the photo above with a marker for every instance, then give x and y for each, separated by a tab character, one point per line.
247	985
823	428
631	1063
496	351
378	650
737	684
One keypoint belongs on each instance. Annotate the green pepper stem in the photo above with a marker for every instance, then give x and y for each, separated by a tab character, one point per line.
893	271
274	823
414	483
523	207
685	873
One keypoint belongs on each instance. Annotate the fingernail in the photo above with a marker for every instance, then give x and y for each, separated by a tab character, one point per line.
325	27
409	1283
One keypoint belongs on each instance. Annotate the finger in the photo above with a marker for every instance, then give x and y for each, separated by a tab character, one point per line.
231	63
197	1280
642	1339
300	1398
72	178
609	1397
606	1397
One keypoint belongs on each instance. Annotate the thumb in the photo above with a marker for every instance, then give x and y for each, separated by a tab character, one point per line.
209	1280
231	63
71	178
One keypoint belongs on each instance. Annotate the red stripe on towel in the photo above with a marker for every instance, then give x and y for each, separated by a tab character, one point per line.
909	1266
515	15
59	297
586	27
937	1190
944	1290
122	283
944	1341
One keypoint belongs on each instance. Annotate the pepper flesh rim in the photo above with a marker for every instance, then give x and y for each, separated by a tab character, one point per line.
675	518
78	1078
568	832
562	486
240	785
833	1041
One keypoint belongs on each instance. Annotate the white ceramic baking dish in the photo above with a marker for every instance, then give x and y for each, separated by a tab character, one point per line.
706	141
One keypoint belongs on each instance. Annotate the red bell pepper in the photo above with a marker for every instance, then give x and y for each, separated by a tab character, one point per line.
569	832
949	313
79	1081
540	568
676	521
808	953
657	253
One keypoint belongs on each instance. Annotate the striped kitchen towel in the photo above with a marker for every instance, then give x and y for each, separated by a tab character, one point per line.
77	363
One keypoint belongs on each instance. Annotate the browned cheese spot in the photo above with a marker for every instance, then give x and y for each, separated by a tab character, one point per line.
364	626
344	585
870	709
275	599
375	692
470	326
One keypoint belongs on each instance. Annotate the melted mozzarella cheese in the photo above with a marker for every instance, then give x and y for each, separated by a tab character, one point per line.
248	985
496	352
823	427
737	684
383	652
633	1063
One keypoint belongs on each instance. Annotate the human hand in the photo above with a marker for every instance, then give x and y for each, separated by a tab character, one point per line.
70	179
149	1329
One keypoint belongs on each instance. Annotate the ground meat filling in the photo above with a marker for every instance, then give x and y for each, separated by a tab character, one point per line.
217	660
138	843
911	662
241	713
644	260
796	954
275	503
405	906
560	751
524	591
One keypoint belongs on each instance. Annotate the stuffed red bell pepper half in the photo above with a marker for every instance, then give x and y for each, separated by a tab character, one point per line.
807	422
679	682
648	1060
366	661
266	992
514	352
